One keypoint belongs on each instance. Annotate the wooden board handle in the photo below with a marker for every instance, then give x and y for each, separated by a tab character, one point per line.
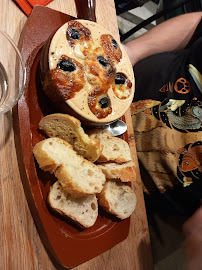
86	9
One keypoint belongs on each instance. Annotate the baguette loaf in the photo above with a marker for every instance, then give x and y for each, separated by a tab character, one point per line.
83	211
77	175
117	199
114	149
125	172
69	129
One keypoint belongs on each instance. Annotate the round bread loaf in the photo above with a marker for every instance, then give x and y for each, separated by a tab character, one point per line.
87	73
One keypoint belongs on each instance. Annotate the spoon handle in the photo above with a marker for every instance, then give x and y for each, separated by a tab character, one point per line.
86	9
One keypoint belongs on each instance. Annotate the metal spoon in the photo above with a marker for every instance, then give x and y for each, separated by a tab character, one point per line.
116	128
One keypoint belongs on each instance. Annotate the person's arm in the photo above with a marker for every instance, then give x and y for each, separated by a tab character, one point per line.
171	35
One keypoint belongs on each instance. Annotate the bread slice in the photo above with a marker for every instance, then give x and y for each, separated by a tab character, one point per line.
125	172
114	149
83	211
77	175
118	199
69	129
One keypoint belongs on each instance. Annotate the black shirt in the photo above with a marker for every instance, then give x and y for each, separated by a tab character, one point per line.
167	119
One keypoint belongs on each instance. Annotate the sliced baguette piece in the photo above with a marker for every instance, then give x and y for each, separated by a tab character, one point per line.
83	211
118	199
77	175
69	129
125	172
114	149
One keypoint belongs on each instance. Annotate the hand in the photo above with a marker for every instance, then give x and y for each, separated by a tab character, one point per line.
192	245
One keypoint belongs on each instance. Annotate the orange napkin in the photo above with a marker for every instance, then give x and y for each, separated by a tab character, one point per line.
27	5
24	6
39	2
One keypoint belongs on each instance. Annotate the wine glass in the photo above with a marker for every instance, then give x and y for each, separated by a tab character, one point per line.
12	73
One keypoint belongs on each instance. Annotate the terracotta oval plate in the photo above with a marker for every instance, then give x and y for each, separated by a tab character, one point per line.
67	244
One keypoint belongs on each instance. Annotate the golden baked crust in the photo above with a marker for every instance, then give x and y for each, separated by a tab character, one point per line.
97	74
93	102
83	32
122	90
114	149
59	85
69	129
125	172
111	48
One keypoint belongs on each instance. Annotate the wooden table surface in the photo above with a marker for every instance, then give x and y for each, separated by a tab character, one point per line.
20	245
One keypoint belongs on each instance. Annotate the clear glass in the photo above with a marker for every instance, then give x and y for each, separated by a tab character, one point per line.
12	73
